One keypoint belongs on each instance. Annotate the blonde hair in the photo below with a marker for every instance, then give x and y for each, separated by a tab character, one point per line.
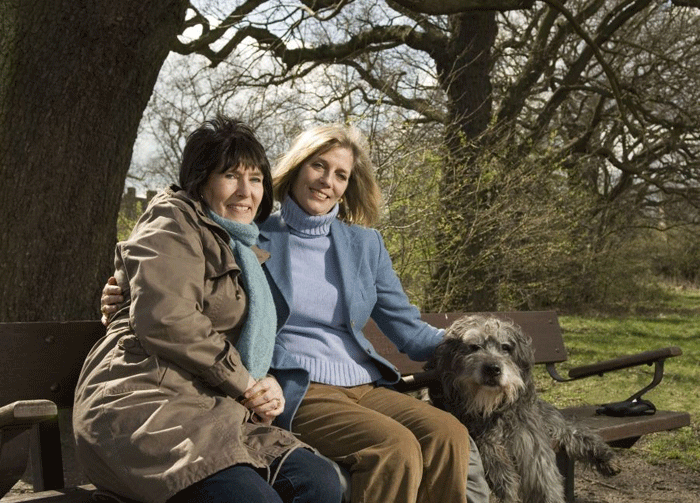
362	199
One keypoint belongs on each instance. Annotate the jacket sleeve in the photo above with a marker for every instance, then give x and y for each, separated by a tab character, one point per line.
397	318
165	265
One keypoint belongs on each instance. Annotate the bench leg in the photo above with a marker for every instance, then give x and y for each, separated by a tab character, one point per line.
14	452
46	457
566	468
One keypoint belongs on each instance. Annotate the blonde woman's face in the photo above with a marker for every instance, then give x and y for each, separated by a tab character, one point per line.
322	180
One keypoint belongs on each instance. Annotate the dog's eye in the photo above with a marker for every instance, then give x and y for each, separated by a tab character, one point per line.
508	348
473	348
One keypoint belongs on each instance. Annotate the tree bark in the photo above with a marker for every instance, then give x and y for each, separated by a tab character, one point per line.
461	280
75	78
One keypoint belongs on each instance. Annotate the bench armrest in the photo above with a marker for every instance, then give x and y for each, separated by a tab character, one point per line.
413	382
623	362
27	412
655	357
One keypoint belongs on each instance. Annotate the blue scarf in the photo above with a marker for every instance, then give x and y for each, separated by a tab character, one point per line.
257	340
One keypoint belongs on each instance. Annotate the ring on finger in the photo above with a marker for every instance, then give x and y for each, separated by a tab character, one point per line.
257	394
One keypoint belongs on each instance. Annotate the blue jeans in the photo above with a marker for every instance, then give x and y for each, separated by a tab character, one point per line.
303	478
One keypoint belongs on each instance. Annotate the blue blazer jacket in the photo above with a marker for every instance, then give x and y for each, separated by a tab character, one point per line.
371	289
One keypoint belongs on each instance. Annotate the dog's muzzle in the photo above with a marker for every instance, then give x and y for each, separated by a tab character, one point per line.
491	373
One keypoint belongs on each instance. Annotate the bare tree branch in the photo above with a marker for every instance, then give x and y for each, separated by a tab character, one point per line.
210	35
458	6
424	107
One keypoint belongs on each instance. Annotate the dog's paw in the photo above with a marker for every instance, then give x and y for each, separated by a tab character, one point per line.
607	468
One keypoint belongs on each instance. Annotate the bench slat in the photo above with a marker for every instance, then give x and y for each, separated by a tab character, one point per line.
613	429
542	327
26	373
80	494
41	363
645	357
27	412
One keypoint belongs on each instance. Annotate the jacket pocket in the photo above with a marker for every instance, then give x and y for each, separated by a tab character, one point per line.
132	368
225	300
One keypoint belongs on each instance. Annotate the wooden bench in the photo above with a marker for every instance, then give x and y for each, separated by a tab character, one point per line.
545	332
41	363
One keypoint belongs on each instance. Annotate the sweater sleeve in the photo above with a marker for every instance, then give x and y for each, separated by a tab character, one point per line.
397	318
165	265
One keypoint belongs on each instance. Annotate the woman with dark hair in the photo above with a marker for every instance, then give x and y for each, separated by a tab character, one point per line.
174	403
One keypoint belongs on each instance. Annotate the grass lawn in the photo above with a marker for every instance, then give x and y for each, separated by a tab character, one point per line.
673	320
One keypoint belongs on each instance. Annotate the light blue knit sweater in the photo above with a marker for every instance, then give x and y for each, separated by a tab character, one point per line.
316	332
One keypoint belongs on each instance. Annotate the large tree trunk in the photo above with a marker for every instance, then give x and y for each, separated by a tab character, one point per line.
75	77
462	280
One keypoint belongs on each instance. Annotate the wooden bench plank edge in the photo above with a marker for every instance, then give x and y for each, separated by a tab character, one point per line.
78	494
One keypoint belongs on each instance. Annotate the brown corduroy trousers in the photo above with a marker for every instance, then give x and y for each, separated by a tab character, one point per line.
397	448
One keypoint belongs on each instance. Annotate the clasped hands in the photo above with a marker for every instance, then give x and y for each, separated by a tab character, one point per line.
264	398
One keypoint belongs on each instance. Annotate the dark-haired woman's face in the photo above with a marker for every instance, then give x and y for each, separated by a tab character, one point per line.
235	194
322	180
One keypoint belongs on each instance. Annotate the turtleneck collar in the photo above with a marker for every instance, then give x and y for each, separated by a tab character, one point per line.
304	224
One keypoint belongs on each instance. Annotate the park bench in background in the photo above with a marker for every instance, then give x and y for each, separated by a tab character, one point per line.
41	362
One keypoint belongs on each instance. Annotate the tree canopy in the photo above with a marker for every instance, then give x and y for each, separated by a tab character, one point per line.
600	96
586	107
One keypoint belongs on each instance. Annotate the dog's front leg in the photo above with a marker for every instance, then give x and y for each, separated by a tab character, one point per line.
500	471
541	480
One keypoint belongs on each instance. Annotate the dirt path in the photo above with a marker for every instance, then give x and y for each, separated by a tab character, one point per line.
639	482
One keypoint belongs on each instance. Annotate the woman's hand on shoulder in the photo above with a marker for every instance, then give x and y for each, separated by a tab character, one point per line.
111	297
265	399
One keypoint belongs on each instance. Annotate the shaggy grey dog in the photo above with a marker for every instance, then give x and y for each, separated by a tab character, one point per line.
485	380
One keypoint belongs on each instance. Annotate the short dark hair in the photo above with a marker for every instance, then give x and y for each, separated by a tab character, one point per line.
218	145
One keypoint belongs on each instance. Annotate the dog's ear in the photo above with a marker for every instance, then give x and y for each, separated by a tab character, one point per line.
444	353
523	354
463	324
441	361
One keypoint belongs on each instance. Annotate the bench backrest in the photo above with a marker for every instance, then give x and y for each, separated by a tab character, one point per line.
42	360
541	326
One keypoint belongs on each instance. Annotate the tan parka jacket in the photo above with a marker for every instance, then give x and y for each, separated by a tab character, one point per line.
155	408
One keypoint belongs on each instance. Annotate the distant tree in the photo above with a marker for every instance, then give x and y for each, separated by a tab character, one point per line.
588	92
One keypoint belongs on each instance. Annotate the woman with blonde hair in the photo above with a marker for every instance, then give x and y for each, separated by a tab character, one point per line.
329	273
362	200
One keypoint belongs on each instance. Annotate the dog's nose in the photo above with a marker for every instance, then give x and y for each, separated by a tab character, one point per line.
492	370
